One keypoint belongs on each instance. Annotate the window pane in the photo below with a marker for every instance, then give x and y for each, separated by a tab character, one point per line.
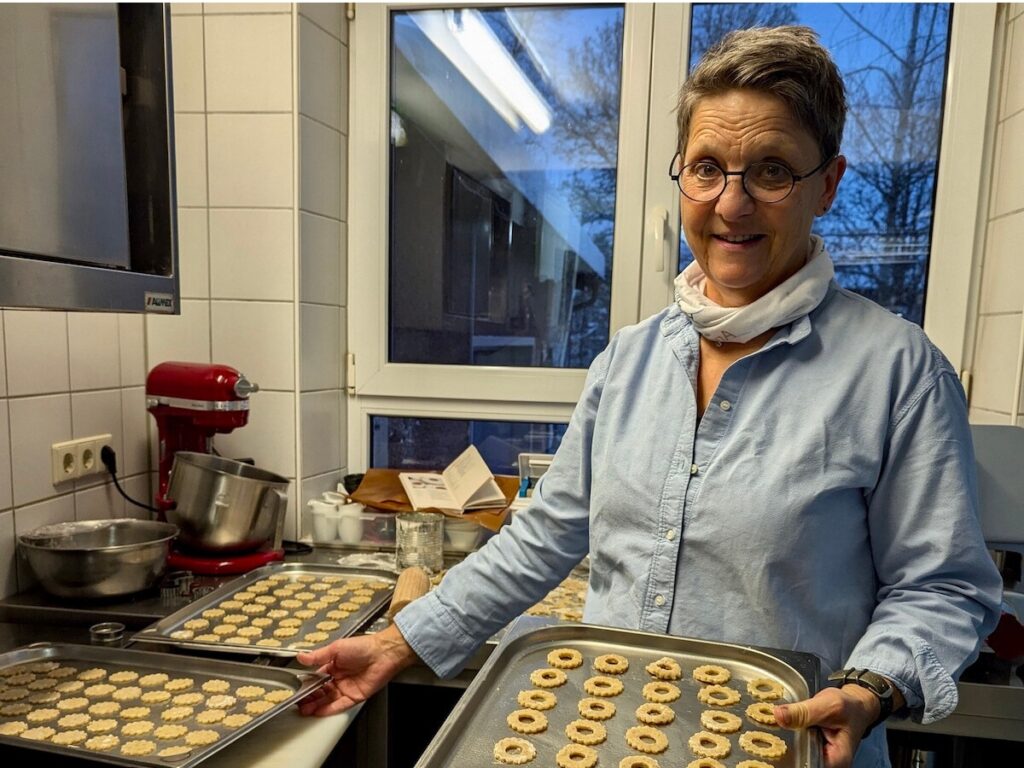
504	143
893	59
405	442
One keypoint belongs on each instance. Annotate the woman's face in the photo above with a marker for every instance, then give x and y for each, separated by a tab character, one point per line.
746	247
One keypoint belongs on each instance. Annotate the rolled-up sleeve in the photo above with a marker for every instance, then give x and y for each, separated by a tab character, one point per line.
938	589
523	563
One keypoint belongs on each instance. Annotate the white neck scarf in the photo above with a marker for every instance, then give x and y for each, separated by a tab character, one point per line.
791	299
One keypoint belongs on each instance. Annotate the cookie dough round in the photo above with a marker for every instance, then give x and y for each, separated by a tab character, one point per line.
201	738
586	732
76	720
138	747
718	696
712	673
765	689
653	713
644	738
664	669
527	721
170	732
603	686
596	709
611	664
720	722
69	738
707	744
137	728
565	658
102	743
576	756
761	744
40	733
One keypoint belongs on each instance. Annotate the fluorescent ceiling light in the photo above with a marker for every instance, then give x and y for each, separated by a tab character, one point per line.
480	42
438	26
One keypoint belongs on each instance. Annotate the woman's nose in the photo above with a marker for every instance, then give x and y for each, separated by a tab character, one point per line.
734	200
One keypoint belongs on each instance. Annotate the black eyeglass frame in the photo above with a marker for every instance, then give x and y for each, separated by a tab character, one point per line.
743	178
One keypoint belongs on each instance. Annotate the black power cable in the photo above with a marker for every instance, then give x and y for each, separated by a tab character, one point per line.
109	459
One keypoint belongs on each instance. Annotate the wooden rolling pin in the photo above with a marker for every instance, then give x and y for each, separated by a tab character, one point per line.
412	583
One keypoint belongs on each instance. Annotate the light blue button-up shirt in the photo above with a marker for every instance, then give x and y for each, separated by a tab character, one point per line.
825	502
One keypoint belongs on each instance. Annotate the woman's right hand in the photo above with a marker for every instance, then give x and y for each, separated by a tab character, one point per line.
358	666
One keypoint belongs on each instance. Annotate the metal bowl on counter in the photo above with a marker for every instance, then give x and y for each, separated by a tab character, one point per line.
98	558
223	506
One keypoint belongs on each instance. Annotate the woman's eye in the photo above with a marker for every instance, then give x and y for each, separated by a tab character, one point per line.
705	170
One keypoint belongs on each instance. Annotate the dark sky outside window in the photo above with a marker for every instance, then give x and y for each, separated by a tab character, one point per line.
893	59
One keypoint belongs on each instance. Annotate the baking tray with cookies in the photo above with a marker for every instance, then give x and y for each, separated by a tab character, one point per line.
137	708
579	696
277	610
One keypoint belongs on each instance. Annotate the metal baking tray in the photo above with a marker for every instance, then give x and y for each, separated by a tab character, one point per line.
297	682
467	737
160	632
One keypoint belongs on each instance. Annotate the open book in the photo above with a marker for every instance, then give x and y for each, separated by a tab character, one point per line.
465	484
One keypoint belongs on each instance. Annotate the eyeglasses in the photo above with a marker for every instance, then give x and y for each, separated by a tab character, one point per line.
703	181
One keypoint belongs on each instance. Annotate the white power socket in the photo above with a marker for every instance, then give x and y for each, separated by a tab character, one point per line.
77	458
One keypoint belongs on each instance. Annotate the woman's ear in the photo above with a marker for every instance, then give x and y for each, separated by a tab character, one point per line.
832	175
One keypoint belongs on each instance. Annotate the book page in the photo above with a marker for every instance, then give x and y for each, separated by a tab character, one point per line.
471	482
427	490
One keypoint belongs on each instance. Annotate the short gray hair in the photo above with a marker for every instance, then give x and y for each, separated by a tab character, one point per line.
788	62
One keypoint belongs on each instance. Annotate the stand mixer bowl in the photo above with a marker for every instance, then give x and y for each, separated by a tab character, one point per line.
225	506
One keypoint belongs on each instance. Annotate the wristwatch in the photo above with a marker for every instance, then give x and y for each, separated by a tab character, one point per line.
875	683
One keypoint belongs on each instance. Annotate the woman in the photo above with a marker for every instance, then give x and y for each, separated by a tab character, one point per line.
771	460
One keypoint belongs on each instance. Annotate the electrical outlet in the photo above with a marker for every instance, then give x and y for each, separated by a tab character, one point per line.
77	458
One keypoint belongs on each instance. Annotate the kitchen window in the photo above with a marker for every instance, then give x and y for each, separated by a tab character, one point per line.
493	253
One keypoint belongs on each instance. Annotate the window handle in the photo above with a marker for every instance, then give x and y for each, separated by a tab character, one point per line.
658	222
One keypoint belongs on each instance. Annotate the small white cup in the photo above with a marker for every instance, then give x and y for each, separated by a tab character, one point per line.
335	498
325	519
350	523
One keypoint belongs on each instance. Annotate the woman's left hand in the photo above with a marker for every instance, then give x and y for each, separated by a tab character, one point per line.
842	715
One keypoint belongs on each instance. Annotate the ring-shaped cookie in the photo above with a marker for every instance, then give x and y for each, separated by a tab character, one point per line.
653	713
638	761
547	678
705	762
513	751
586	732
565	658
644	738
664	669
661	693
611	664
753	764
761	744
718	696
602	686
707	744
712	673
764	689
527	721
762	712
535	699
576	756
720	722
596	709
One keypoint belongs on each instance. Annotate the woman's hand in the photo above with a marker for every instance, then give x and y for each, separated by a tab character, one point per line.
842	715
358	666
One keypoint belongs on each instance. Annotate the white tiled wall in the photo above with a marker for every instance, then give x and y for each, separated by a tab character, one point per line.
322	263
999	340
65	375
261	225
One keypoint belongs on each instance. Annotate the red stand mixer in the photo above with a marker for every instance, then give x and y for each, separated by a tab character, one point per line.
192	402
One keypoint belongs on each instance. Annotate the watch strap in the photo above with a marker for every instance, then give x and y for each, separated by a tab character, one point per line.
875	683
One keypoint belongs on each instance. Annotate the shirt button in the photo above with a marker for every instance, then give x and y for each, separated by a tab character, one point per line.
670	534
694	469
659	600
725	405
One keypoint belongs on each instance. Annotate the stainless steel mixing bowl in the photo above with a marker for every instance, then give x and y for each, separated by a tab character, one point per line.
98	558
223	506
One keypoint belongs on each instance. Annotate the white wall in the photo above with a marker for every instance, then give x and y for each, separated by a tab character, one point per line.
261	115
999	336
